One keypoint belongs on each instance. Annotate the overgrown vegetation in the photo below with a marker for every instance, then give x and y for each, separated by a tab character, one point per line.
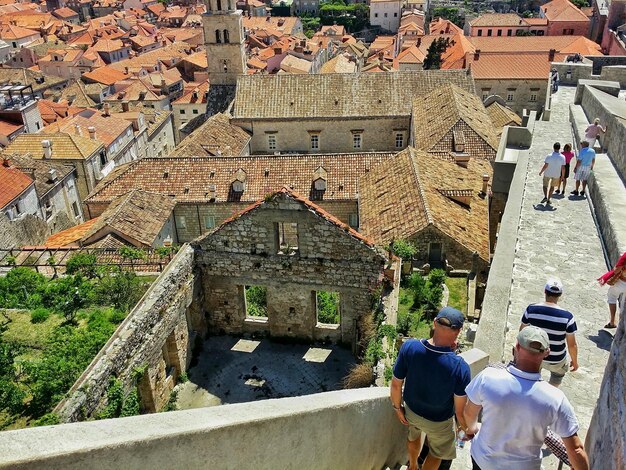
327	307
256	301
404	249
449	13
354	16
65	322
420	298
310	24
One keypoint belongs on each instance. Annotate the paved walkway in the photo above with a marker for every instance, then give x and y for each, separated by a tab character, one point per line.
561	241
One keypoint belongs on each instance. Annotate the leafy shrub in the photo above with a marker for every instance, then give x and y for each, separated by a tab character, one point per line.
115	400
11	395
20	288
404	249
82	263
116	316
120	288
39	315
183	378
48	420
131	405
328	307
131	253
256	301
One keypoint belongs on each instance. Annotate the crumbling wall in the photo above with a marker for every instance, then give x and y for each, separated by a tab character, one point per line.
244	252
27	230
606	437
157	335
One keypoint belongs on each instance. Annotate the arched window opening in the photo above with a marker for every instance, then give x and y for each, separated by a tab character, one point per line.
218	36
226	36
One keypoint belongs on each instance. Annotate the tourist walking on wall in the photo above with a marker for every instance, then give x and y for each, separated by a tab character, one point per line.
593	131
616	280
552	171
518	409
561	328
555	80
568	154
584	165
434	380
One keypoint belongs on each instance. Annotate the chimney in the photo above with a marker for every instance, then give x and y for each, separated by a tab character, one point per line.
381	55
476	54
107	109
126	70
79	131
52	175
47	148
303	43
278	51
485	183
6	162
92	132
298	49
125	106
551	55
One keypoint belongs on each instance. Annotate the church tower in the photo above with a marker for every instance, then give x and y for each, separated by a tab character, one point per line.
224	41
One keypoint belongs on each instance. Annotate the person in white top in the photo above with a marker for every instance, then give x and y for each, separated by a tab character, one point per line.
518	409
553	170
593	131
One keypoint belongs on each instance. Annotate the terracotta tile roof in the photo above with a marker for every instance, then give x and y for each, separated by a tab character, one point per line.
64	146
291	194
502	116
137	216
524	44
110	241
499	19
194	179
411	55
75	94
195	95
286	25
151	58
198	58
13	182
217	134
451	105
108	128
516	65
442	26
338	95
454	56
406	194
105	75
256	63
134	89
536	21
10	32
562	10
64	12
8	128
70	236
108	45
39	170
338	64
293	64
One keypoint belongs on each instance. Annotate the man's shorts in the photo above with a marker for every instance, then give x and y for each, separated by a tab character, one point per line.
557	370
441	435
550	182
615	291
582	174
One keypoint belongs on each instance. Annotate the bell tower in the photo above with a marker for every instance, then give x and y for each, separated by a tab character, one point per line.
224	41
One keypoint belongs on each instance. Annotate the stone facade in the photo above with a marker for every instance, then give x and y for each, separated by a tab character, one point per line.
247	251
155	334
28	230
525	94
333	135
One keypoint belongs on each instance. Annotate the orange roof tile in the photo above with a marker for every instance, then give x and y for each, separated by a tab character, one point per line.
64	12
563	10
504	65
12	183
70	236
499	19
525	44
8	128
105	75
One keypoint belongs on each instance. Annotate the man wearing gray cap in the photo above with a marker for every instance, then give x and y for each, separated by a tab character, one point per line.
434	380
561	328
518	408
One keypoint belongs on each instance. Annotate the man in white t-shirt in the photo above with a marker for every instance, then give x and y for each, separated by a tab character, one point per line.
518	408
553	170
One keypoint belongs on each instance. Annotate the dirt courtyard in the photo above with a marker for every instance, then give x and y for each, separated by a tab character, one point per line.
234	370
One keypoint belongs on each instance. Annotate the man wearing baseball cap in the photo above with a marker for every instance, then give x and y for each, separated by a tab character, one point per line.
518	408
434	380
561	328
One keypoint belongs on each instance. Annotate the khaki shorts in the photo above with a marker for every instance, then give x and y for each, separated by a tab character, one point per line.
557	370
547	182
441	436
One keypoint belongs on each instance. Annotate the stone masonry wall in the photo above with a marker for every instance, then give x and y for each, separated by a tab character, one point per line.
570	73
244	252
521	89
475	145
29	230
155	334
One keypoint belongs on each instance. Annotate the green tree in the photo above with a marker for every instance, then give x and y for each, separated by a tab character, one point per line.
120	288
327	307
404	249
21	288
451	14
11	395
580	3
256	301
434	53
82	263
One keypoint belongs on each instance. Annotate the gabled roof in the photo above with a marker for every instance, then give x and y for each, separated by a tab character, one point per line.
64	146
563	10
217	136
105	75
40	171
525	44
108	128
502	116
411	55
450	104
64	12
70	236
13	182
442	26
499	19
412	191
338	95
338	64
108	45
10	32
512	65
137	216
286	192
194	179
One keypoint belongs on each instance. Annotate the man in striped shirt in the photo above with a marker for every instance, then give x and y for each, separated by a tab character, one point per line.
561	328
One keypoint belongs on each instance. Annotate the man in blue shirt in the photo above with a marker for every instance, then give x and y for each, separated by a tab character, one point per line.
434	380
584	164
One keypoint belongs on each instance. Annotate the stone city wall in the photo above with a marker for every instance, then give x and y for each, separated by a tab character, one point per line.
245	253
521	90
155	334
570	73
